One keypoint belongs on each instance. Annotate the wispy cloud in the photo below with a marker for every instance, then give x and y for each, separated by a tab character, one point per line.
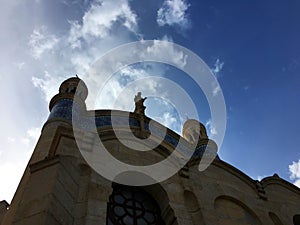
216	88
294	169
211	127
48	84
218	66
127	82
162	52
11	140
260	177
97	32
41	41
216	69
173	12
98	21
100	29
169	120
31	136
19	65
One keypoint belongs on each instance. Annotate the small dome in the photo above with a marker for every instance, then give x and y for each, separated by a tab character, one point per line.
194	131
74	85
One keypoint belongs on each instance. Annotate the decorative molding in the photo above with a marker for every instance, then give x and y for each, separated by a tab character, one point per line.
47	162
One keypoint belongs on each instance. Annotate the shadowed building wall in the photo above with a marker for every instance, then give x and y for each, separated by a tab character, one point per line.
60	188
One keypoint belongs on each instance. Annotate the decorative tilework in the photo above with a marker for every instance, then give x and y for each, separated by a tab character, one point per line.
173	141
119	121
63	109
185	150
200	150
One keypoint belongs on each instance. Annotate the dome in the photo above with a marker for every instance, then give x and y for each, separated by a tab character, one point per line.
74	85
194	131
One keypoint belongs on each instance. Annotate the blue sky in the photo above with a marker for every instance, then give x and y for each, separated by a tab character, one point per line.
252	47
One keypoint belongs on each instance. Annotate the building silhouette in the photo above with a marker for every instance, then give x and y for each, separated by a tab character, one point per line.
59	186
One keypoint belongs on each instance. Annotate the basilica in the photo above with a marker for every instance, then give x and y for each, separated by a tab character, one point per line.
86	170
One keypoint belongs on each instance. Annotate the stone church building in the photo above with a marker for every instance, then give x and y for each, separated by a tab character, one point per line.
60	187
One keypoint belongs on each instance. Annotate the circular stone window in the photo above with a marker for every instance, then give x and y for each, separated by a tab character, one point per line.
132	206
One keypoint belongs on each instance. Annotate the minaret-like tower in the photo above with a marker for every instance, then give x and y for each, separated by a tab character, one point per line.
71	97
48	191
194	131
206	149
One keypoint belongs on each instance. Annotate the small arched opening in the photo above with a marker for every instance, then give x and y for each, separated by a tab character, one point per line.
193	208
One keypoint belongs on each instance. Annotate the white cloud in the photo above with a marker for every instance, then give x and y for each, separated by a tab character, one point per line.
31	136
294	169
211	127
216	69
40	41
19	65
102	19
11	140
216	88
297	183
173	12
99	20
169	120
119	86
162	52
119	91
33	133
88	39
218	66
260	177
48	84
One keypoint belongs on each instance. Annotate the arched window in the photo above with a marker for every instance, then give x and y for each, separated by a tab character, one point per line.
132	206
192	206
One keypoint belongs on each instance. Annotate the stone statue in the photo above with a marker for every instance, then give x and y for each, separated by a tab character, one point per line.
139	104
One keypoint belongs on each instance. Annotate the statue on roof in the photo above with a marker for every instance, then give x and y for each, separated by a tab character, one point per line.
139	104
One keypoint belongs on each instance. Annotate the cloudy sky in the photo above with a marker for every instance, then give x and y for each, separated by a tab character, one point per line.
251	47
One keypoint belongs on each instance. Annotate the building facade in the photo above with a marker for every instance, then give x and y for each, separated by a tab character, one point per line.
60	187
